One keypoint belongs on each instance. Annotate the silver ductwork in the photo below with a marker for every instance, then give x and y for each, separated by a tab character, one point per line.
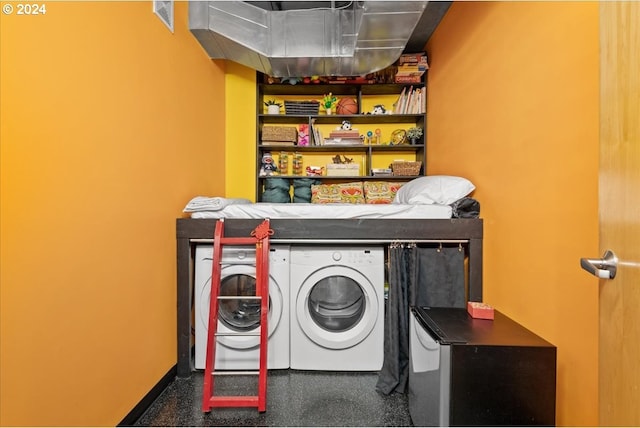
342	39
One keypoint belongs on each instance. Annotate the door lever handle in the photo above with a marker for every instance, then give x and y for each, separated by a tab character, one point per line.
604	268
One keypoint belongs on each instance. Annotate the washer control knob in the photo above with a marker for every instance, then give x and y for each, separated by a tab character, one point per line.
337	256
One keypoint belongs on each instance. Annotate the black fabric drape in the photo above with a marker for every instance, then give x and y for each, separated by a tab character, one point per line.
394	375
441	278
417	277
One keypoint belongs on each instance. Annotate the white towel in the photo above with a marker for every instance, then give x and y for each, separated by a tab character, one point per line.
203	203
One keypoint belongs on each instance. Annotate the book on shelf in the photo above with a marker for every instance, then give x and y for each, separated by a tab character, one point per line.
397	107
343	141
410	101
413	58
407	79
411	70
316	134
411	67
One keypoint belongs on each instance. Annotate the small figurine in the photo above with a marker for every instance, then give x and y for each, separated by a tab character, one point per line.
346	125
269	166
338	160
369	139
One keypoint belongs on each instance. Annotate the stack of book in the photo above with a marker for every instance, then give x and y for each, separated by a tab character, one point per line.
411	67
344	136
411	101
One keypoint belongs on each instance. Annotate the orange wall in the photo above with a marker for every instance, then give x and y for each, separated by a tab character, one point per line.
110	124
513	105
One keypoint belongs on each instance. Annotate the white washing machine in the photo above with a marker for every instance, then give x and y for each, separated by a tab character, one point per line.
238	278
337	308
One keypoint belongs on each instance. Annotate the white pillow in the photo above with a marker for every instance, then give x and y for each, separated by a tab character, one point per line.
434	189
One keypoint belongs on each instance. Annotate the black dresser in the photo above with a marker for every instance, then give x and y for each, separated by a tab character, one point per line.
472	372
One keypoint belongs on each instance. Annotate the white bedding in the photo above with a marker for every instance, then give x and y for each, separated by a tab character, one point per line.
328	211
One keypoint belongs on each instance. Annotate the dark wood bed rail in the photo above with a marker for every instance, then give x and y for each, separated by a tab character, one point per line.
347	231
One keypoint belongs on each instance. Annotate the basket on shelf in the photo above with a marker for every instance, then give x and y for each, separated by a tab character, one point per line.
301	107
280	133
406	168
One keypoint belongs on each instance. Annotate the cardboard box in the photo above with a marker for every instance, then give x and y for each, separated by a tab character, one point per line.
343	169
480	310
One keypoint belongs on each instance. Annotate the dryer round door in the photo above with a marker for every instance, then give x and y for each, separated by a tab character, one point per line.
337	307
241	315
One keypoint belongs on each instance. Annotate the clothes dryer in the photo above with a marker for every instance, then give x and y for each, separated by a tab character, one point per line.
337	308
238	278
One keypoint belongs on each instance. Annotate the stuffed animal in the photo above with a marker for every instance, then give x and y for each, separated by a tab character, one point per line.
378	109
268	166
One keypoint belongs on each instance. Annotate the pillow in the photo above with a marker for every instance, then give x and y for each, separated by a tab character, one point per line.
380	192
351	193
434	189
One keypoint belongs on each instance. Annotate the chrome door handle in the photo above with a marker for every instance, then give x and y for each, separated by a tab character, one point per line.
605	267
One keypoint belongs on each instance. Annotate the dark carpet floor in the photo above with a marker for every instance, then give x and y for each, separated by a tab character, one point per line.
294	398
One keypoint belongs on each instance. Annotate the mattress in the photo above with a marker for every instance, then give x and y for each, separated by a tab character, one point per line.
328	211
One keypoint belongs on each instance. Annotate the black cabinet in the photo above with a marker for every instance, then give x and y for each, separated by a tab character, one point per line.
475	372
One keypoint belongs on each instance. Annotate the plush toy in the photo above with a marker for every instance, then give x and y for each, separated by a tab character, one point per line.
268	166
378	109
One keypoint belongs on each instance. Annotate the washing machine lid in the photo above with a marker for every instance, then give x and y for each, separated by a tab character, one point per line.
325	323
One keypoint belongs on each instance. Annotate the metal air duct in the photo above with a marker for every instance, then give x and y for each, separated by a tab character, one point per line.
323	38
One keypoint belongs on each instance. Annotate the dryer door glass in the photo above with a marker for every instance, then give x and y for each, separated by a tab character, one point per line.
239	314
336	303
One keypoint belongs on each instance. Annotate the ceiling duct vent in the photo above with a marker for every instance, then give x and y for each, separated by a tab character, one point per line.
306	38
164	11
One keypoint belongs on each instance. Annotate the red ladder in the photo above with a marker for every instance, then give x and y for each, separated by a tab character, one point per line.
259	237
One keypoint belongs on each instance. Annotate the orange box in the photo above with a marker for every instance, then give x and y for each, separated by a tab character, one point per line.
480	310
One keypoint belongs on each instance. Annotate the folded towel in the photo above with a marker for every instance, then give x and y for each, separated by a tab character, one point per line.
203	203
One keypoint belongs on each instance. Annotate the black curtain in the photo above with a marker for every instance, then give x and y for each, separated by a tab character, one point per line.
441	277
394	375
417	277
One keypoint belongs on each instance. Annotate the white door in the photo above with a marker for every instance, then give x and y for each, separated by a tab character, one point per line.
619	212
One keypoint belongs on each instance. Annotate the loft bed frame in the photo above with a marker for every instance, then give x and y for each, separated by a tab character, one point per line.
190	232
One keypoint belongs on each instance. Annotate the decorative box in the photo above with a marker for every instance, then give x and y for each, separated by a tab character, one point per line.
343	169
301	107
480	310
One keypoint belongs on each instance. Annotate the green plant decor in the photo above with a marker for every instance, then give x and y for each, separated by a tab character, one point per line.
272	103
414	133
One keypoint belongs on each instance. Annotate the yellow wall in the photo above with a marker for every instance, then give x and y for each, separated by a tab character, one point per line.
240	132
513	106
110	124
